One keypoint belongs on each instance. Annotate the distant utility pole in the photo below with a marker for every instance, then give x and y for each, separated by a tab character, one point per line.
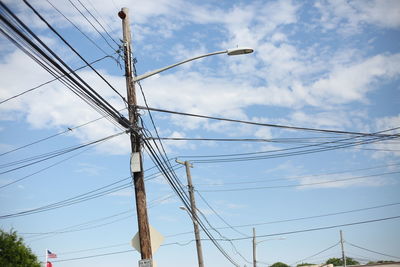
341	243
136	156
254	248
188	165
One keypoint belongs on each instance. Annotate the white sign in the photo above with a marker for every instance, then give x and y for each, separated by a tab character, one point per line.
156	240
135	162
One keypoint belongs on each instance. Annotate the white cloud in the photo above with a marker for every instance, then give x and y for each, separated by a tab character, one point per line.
350	16
88	169
128	192
351	83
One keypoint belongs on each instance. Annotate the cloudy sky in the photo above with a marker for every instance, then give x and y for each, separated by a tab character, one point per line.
331	65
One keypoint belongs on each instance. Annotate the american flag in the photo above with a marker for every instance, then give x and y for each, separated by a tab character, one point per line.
51	255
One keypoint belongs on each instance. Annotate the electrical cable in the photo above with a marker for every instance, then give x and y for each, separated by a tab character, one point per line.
78	85
224	238
95	193
98	22
69	129
321	228
264	124
76	27
45	168
57	152
300	185
244	238
295	177
369	250
73	49
51	155
219	216
316	254
50	81
87	225
295	153
91	24
100	16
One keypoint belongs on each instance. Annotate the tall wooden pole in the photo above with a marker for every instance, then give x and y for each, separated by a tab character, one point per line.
254	248
188	165
341	243
136	156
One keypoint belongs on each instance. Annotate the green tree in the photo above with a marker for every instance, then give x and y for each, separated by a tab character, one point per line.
279	264
339	262
14	253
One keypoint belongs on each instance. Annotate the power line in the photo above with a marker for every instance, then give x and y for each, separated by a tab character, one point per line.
316	254
86	225
57	153
45	168
98	22
320	148
299	185
265	124
302	218
298	177
383	254
52	80
76	27
219	216
95	256
245	238
95	193
69	129
55	65
321	228
91	24
73	49
320	215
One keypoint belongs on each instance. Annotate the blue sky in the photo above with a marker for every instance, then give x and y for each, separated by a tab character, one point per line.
316	64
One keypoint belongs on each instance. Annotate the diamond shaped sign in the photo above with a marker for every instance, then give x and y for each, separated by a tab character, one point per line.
156	240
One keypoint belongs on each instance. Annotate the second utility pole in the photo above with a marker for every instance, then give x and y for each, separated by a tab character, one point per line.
343	255
188	165
254	248
136	156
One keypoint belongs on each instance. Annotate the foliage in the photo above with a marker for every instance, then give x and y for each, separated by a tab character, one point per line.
304	264
14	253
339	262
279	264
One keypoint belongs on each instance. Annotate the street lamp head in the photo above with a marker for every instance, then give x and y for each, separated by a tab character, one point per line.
239	51
183	208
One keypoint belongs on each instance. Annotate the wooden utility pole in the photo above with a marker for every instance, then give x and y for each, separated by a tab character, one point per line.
341	243
254	248
188	165
136	156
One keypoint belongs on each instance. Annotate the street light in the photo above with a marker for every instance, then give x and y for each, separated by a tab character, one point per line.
229	52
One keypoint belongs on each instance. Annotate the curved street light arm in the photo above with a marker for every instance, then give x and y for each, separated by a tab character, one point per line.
230	52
